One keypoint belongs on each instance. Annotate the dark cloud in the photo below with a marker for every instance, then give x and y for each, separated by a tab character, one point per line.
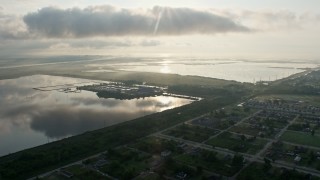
109	21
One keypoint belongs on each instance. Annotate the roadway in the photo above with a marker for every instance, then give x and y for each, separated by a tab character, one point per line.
250	158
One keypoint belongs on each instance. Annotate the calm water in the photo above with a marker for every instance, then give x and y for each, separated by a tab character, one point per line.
30	117
242	71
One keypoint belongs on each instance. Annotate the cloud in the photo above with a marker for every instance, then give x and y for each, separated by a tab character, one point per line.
149	43
10	47
109	21
270	20
81	45
12	27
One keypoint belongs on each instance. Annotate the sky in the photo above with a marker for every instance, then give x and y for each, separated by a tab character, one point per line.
241	29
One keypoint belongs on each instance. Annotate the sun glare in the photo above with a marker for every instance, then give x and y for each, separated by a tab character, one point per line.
165	69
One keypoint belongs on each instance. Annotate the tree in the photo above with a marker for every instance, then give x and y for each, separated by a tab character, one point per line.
267	163
210	156
169	162
128	174
307	125
246	109
312	157
115	166
312	132
243	137
237	160
199	169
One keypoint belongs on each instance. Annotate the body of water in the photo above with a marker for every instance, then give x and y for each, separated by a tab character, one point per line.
30	117
242	71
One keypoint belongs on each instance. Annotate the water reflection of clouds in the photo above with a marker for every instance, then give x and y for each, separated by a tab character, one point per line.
77	101
11	94
56	114
160	102
64	121
152	103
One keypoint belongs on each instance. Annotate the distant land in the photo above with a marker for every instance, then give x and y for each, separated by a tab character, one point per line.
245	128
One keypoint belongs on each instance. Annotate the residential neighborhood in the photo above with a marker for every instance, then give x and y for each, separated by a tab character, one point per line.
223	144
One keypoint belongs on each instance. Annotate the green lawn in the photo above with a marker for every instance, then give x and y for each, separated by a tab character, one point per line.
301	138
245	128
154	145
257	171
125	163
79	172
210	161
191	132
308	156
313	100
234	143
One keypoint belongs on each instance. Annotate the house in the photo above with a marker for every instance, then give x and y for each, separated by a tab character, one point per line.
297	159
65	173
183	146
195	151
181	175
165	153
101	163
227	157
289	153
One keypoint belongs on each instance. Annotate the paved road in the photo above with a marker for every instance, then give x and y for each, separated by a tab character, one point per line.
68	165
239	122
277	137
172	127
248	157
251	158
271	141
203	146
96	155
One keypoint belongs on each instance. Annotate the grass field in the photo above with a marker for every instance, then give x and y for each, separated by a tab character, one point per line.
301	138
191	132
259	171
125	163
245	128
308	156
234	142
313	100
209	161
78	171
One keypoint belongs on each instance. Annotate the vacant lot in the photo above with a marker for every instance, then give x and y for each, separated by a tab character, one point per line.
191	132
244	128
238	143
301	138
260	171
210	161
